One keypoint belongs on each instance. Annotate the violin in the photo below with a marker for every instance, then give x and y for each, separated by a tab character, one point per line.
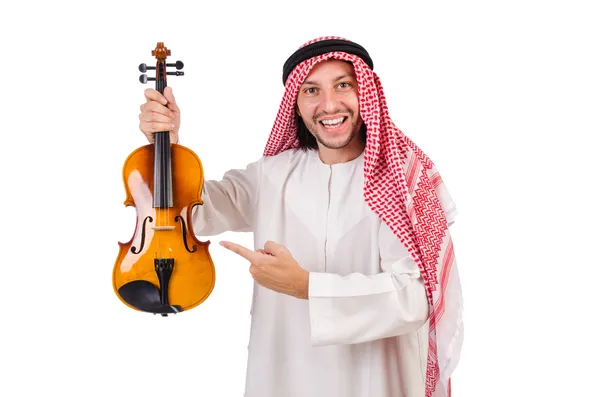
163	269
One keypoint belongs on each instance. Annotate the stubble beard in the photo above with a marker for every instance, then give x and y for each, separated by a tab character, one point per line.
335	143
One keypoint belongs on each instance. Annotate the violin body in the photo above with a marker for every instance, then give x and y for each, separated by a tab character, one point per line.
163	268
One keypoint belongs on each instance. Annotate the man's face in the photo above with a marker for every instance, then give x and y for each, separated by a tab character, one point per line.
328	103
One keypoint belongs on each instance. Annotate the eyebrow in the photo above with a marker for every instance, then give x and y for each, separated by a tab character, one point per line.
344	76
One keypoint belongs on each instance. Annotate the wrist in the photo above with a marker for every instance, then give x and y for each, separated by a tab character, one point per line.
302	285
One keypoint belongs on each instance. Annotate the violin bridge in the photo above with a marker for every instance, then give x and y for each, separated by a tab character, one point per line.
158	228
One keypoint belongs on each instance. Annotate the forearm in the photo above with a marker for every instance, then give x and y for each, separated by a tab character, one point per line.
228	204
220	211
359	308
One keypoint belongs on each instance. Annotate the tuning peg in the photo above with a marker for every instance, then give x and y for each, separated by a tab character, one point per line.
175	73
144	79
178	65
143	67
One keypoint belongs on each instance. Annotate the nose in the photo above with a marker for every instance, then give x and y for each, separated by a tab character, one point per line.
330	101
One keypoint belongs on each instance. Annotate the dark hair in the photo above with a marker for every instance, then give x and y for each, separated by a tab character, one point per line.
308	141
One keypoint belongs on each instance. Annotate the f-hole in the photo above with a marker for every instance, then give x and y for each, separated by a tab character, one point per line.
184	234
148	218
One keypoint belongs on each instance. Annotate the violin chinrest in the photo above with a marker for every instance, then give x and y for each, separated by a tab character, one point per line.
146	296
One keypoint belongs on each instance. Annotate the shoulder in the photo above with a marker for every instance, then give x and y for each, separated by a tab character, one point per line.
278	168
287	158
281	163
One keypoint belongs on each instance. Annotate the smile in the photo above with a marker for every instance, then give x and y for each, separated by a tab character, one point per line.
333	123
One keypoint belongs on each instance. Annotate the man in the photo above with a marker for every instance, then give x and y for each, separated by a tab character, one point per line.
356	290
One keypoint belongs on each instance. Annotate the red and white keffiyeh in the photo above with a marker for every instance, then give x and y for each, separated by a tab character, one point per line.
403	187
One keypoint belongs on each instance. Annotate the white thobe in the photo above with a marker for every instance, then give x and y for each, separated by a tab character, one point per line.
363	330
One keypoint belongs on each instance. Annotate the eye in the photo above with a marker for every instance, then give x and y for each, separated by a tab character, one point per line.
310	90
345	85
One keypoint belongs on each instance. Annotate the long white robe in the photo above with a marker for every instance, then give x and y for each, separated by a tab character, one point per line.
363	330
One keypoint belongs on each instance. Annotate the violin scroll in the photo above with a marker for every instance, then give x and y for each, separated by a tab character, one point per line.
161	53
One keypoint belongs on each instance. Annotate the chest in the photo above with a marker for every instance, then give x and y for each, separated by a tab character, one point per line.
323	219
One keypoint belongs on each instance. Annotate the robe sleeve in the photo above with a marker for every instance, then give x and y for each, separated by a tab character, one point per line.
359	308
228	204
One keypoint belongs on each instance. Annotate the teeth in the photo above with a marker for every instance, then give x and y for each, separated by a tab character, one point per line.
332	122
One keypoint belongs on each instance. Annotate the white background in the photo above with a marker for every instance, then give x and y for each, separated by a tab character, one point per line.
503	96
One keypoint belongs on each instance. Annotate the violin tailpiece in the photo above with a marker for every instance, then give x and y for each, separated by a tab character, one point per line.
164	269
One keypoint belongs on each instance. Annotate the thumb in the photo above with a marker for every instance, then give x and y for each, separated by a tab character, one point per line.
168	93
274	249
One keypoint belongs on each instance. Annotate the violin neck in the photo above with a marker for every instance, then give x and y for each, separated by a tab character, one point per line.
163	180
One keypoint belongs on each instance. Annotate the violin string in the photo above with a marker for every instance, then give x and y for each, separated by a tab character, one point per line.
160	178
165	184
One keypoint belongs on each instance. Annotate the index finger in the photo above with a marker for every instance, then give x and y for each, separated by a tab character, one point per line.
240	250
153	95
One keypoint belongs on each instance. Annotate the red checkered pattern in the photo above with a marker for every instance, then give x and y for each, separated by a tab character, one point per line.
401	186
